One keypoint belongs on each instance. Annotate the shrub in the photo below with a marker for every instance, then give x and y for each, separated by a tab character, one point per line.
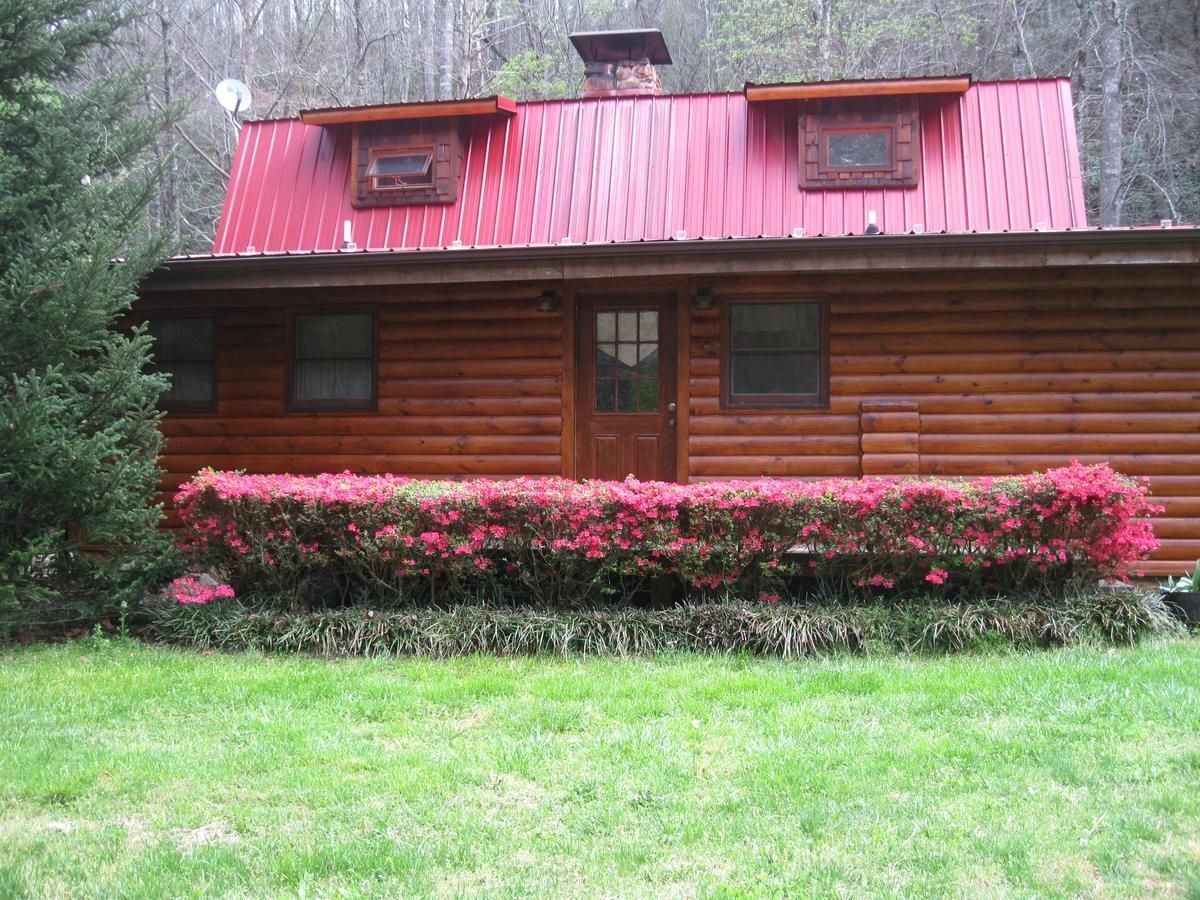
78	423
764	629
557	542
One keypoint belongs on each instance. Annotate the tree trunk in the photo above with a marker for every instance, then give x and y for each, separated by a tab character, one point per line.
423	44
247	11
358	82
170	199
446	60
825	40
1111	112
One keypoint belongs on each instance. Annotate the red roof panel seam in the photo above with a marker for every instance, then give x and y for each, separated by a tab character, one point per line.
252	140
464	187
1051	160
502	184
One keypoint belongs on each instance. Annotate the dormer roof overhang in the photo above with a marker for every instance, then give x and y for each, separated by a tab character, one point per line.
388	112
942	84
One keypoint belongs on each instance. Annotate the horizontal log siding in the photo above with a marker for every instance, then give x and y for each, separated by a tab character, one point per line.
1011	373
467	386
1007	380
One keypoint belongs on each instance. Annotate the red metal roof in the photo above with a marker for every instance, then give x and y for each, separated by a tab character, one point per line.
1000	157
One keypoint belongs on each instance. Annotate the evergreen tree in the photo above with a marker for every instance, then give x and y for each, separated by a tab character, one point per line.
78	422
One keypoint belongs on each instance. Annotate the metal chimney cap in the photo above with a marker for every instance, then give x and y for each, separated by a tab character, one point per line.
617	46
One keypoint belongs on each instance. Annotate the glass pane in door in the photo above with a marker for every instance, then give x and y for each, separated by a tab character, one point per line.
627	358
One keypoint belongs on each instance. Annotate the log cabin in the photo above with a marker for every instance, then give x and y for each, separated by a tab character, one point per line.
837	279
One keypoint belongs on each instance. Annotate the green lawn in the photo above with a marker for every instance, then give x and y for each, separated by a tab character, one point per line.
127	770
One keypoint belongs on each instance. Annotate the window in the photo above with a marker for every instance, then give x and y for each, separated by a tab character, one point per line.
400	168
627	361
848	142
775	354
408	162
858	149
333	361
184	348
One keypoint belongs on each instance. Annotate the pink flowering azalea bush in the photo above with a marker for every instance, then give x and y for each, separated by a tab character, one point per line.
189	589
555	541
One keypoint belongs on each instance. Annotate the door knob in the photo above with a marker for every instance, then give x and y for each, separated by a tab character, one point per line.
671	407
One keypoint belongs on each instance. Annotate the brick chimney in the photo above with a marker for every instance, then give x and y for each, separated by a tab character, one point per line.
621	63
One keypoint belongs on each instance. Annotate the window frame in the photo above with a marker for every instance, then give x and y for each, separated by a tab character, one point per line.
823	131
375	153
730	400
292	404
194	406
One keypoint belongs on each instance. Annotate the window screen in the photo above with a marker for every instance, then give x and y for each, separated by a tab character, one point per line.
334	361
184	349
775	353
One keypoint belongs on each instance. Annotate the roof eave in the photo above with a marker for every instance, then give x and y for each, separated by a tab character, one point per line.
899	252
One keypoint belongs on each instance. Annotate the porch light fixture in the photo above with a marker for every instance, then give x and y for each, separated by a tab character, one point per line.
702	300
549	301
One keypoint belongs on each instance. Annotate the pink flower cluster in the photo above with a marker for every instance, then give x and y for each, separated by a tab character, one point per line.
189	589
558	540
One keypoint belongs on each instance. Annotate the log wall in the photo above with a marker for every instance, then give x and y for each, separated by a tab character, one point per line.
973	374
467	386
952	374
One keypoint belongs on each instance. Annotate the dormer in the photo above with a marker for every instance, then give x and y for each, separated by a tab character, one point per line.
407	154
858	134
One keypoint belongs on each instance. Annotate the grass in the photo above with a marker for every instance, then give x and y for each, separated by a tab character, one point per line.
142	771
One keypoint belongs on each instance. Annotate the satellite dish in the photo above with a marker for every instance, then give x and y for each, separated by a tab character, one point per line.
233	95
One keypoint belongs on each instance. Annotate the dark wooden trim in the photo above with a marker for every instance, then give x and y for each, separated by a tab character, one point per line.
209	408
569	463
484	106
291	404
769	402
757	93
683	383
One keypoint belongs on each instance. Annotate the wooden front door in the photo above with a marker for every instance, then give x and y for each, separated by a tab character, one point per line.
625	410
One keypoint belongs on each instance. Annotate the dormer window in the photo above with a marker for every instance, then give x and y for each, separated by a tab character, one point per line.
857	149
860	142
400	168
406	163
406	154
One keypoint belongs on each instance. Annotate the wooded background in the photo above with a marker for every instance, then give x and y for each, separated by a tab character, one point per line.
1134	64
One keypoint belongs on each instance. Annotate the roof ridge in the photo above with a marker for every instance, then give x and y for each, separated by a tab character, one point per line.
668	96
